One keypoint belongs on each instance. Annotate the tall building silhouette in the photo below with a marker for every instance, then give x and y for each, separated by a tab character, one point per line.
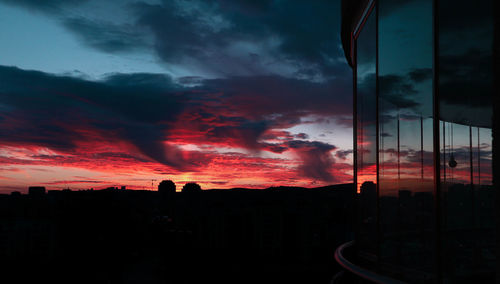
166	187
36	190
191	187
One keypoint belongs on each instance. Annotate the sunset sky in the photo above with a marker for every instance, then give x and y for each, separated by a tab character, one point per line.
225	93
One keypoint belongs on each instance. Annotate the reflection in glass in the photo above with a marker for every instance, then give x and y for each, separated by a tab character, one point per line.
406	166
467	203
465	92
366	137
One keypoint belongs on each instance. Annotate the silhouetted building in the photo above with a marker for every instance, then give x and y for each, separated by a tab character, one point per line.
191	187
166	187
424	77
123	236
36	190
167	191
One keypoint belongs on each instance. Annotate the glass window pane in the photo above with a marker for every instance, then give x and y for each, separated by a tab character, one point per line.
406	164
465	93
366	137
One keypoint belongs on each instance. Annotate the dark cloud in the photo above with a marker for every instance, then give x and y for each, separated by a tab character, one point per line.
45	5
466	87
179	32
420	74
107	36
317	161
311	45
97	32
400	90
396	84
246	133
290	98
221	38
275	148
302	136
397	92
342	154
207	30
58	112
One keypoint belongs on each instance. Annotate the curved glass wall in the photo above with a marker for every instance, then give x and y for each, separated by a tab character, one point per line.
424	171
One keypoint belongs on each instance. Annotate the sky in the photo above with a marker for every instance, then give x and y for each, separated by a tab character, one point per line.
247	93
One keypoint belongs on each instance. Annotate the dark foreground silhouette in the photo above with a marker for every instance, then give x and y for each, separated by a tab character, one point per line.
276	235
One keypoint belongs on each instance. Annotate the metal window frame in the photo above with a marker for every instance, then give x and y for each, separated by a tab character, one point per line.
436	144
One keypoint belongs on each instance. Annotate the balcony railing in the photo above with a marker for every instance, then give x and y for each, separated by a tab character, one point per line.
364	275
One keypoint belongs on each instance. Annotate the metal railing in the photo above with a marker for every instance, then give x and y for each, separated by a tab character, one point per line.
362	273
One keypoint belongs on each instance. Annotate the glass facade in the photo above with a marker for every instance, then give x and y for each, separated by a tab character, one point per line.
423	115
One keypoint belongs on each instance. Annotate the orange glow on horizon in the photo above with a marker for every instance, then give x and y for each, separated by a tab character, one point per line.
103	165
